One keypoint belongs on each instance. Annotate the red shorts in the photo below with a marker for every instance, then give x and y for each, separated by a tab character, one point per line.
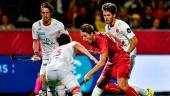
118	68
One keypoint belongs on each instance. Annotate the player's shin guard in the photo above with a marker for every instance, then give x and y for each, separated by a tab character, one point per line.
37	85
131	92
97	91
112	87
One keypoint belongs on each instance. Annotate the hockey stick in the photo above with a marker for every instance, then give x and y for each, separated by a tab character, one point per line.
14	57
82	82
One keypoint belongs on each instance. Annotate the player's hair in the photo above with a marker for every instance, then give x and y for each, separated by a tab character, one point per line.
112	8
87	28
63	39
47	5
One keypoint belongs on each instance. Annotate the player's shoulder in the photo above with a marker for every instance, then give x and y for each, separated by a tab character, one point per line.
74	42
56	22
37	23
119	21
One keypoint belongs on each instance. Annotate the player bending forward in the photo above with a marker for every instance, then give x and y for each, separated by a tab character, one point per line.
60	66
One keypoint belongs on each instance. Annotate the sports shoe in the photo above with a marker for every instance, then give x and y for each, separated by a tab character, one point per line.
150	92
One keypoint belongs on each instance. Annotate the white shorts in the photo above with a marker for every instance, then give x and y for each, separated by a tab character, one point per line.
43	66
66	77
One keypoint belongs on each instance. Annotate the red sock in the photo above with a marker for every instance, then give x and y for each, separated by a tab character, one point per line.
131	92
37	86
112	87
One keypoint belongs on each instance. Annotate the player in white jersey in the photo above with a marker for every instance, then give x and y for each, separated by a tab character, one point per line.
121	30
45	32
61	64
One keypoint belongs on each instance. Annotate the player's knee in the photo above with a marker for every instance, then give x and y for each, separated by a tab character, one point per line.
76	90
123	86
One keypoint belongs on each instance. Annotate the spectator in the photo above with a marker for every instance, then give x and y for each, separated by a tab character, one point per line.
123	14
147	19
165	22
160	13
6	25
99	23
81	17
136	21
156	24
1	13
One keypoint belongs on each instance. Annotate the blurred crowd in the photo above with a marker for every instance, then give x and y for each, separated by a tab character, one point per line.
139	14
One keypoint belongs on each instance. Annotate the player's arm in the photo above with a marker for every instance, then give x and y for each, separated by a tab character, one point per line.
35	45
36	50
120	42
83	50
133	41
103	58
103	47
133	44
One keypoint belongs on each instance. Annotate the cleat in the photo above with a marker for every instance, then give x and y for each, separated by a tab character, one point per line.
150	92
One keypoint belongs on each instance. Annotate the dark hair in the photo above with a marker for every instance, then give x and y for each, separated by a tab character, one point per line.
63	39
112	8
47	5
87	28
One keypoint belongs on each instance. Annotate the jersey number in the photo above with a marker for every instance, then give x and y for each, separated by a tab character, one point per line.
58	52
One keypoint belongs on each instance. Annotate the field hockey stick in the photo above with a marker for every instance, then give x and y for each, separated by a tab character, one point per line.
82	82
13	57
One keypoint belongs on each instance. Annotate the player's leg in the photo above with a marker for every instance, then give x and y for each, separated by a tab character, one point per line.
102	81
60	89
51	77
71	83
123	72
141	91
43	76
37	85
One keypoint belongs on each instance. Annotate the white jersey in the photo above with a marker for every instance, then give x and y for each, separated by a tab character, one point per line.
63	57
122	31
47	35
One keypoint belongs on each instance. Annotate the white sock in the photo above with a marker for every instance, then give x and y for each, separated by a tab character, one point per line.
97	91
77	94
140	91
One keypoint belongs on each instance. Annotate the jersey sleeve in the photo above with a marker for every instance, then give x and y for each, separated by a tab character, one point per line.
125	28
73	43
63	29
34	32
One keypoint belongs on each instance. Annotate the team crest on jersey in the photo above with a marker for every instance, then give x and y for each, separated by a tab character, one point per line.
129	30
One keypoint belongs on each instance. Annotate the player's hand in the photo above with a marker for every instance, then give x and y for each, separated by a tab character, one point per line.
87	77
35	58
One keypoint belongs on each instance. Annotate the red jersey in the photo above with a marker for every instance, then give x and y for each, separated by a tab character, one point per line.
104	42
120	60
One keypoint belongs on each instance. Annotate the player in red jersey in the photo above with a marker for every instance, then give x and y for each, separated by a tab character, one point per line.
118	64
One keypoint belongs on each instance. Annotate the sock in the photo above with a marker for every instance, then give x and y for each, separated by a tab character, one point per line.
141	91
61	90
131	92
112	87
51	92
97	91
77	94
37	86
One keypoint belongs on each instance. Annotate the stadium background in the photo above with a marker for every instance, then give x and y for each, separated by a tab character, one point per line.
17	77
